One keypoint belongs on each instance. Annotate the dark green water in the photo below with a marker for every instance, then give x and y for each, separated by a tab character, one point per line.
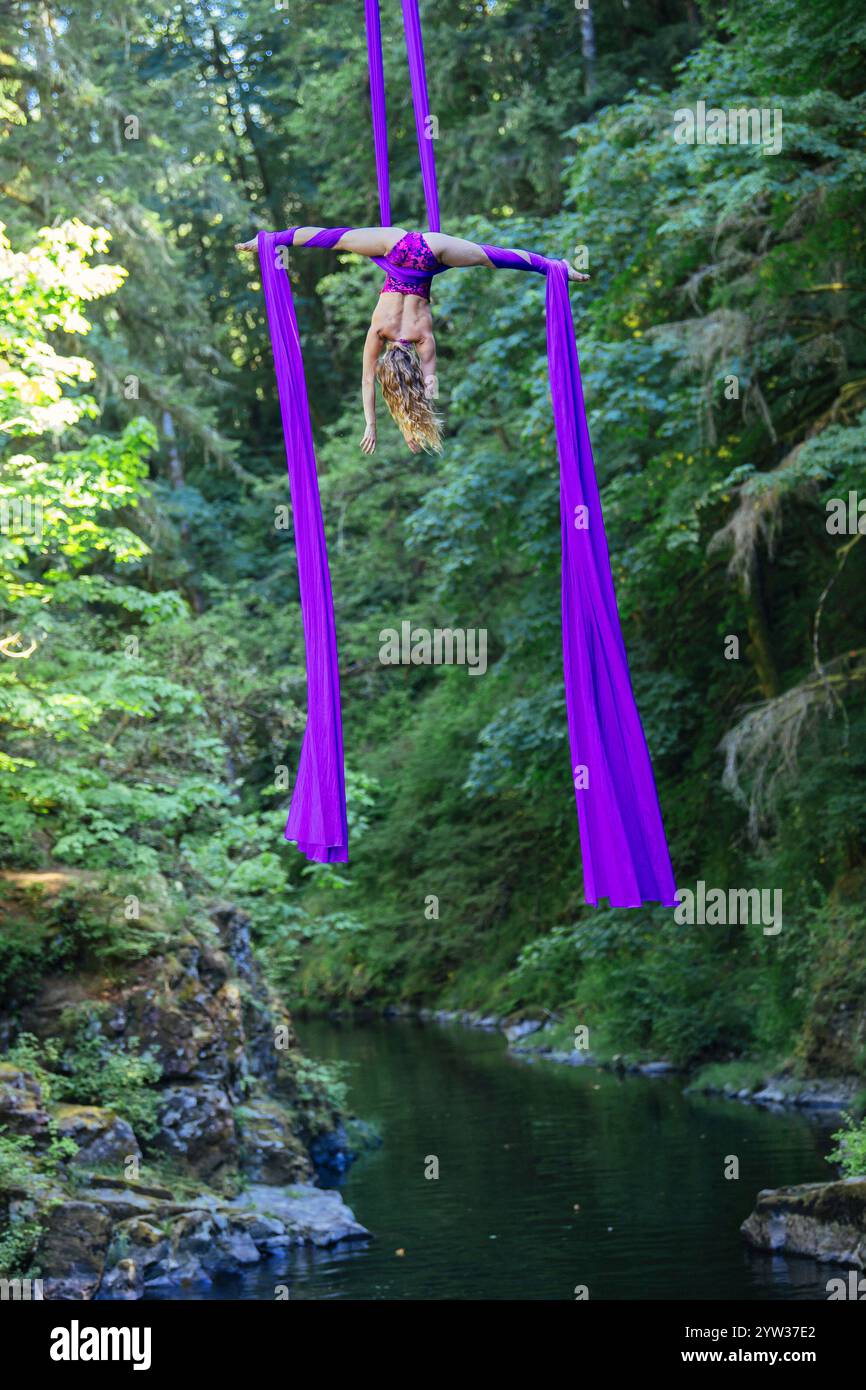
519	1146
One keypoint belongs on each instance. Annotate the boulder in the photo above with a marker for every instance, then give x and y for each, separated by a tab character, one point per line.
21	1106
187	1251
772	1094
122	1281
270	1151
838	1094
332	1153
104	1140
72	1248
515	1031
195	1031
190	1248
311	1215
123	1198
143	1253
268	1234
826	1220
196	1125
214	1240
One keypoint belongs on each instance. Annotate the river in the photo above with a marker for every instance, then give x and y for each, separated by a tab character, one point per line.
550	1177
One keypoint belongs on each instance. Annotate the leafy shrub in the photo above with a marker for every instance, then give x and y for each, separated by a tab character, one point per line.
90	1070
17	1245
850	1150
319	1092
17	1169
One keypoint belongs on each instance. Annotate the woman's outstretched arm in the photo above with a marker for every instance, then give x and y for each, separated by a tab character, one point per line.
426	349
372	349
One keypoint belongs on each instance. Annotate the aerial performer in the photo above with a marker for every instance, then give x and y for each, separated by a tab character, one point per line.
624	852
400	348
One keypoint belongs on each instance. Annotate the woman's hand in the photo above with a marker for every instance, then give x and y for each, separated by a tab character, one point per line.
368	443
575	274
247	245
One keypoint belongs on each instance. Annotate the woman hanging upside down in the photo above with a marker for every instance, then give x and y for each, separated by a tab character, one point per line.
400	349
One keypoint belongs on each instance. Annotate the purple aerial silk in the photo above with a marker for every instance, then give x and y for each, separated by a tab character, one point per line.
377	106
624	851
420	104
623	845
317	817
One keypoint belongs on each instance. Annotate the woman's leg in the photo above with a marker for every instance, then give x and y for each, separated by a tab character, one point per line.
453	250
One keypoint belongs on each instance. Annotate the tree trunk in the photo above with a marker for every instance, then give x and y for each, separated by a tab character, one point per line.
587	47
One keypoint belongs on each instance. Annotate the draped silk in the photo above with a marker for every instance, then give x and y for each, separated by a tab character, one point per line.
624	850
317	816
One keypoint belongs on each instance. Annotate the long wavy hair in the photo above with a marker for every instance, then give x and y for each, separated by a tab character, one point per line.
398	372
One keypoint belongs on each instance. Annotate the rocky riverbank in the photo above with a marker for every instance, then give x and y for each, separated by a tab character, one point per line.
116	1240
541	1039
204	1165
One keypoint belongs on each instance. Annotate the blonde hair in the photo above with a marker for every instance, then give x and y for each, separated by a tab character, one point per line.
398	372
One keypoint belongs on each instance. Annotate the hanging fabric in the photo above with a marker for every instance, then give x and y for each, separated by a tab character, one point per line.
377	107
421	104
317	817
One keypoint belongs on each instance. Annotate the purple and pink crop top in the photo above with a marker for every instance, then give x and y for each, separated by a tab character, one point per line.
413	252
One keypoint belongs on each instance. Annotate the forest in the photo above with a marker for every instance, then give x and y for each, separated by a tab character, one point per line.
152	679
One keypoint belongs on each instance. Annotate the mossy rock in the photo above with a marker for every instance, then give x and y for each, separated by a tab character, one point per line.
73	1247
271	1152
197	1128
826	1221
103	1138
22	1108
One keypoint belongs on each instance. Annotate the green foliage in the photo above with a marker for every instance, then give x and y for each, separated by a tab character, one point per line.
18	1242
17	1173
122	1081
25	1174
850	1150
83	927
90	1070
744	1074
319	1092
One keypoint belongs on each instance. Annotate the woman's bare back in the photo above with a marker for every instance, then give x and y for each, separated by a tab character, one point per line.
402	316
